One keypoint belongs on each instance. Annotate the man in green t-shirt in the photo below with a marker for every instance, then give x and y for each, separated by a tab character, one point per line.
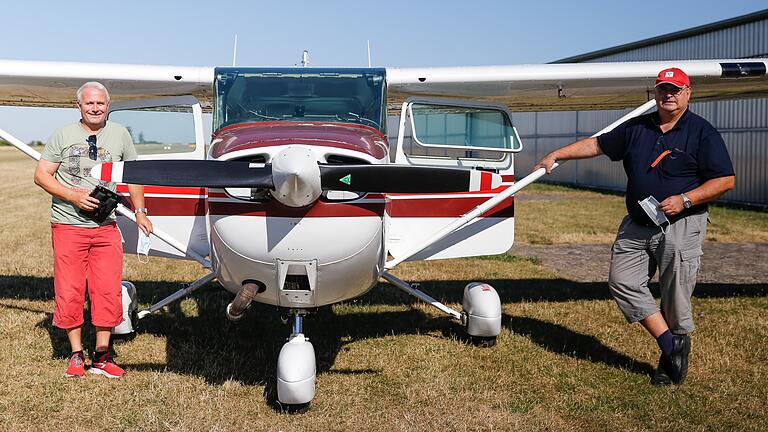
87	253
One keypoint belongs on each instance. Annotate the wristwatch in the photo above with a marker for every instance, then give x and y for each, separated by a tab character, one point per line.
144	210
686	201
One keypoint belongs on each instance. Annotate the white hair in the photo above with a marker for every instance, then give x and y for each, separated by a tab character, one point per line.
94	85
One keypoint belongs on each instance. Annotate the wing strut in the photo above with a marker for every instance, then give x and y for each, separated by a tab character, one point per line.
421	295
496	200
183	292
162	235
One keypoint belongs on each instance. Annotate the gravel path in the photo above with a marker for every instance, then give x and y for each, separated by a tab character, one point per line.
732	263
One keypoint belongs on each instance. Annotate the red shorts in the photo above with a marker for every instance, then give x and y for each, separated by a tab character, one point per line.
94	255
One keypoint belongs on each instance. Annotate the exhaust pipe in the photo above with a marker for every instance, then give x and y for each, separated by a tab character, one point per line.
244	298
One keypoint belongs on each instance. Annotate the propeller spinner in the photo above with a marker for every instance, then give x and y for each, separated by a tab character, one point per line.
295	178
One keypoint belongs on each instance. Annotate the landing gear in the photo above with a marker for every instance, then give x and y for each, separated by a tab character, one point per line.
296	366
128	326
482	309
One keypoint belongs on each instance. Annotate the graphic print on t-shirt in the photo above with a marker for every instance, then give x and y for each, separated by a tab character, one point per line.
79	165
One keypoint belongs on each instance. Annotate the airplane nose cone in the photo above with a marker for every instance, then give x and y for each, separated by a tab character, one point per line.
296	176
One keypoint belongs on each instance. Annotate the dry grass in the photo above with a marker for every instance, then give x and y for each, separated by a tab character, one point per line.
564	361
549	214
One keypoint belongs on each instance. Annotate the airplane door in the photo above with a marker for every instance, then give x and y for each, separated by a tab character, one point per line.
165	129
452	133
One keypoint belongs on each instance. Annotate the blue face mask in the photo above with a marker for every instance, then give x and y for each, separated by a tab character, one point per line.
142	246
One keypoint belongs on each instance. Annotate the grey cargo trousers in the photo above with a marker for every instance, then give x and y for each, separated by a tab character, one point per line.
636	255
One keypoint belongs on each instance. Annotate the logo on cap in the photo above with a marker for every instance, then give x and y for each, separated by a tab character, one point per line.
673	76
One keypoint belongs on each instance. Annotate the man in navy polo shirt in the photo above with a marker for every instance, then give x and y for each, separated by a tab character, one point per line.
680	160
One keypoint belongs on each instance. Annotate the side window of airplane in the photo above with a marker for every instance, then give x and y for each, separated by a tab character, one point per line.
465	132
164	129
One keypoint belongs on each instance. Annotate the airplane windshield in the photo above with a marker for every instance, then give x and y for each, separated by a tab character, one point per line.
300	94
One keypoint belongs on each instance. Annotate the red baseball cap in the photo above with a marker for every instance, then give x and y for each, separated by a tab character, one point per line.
673	76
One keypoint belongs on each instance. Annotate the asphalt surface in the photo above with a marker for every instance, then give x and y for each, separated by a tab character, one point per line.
722	263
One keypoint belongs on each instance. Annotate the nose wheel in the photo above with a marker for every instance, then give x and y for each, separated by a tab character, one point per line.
296	368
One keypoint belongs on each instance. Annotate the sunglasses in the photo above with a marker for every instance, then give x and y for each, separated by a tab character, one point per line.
670	89
92	150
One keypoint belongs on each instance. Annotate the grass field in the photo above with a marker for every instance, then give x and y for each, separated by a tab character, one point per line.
565	360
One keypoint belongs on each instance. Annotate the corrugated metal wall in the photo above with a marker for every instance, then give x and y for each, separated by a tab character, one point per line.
745	40
743	123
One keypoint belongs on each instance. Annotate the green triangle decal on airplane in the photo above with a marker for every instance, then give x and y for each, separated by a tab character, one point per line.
347	179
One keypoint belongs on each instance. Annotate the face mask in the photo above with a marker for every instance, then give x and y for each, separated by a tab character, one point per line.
142	247
651	207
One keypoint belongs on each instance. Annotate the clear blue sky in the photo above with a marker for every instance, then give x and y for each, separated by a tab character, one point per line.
402	33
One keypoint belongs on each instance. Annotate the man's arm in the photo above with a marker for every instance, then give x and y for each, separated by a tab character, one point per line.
137	197
44	178
581	149
710	190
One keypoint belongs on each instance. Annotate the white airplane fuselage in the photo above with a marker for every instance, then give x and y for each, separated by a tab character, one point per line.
326	252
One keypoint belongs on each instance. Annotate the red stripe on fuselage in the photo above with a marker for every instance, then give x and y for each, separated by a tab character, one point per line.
173	206
424	206
446	207
319	209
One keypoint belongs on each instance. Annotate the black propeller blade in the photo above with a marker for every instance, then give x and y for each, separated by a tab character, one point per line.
404	179
207	173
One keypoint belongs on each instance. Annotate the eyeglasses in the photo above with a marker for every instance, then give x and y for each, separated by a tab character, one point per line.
670	89
92	150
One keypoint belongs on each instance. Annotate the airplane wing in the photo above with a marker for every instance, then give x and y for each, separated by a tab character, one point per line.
577	86
534	87
53	84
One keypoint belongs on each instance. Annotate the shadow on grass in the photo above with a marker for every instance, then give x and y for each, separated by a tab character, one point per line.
200	341
562	340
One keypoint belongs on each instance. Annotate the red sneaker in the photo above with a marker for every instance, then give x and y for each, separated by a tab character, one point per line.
76	368
107	367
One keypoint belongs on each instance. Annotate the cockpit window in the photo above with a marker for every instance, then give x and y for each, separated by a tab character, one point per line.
300	94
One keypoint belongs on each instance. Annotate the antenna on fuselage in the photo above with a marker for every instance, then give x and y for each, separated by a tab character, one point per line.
234	52
369	53
305	59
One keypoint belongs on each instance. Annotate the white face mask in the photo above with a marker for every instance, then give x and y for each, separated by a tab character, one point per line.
142	247
651	207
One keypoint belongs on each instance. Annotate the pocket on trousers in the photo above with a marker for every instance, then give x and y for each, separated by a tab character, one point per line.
690	254
689	267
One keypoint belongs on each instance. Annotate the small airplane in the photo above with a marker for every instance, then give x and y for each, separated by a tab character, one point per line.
301	200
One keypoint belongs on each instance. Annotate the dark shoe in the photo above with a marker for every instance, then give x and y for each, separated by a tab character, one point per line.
677	363
660	377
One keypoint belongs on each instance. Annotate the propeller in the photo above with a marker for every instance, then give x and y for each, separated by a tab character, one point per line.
295	178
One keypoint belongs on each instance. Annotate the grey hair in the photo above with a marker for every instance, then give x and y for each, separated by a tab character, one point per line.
94	85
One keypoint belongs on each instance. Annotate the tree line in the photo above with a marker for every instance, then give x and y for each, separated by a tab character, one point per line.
32	143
